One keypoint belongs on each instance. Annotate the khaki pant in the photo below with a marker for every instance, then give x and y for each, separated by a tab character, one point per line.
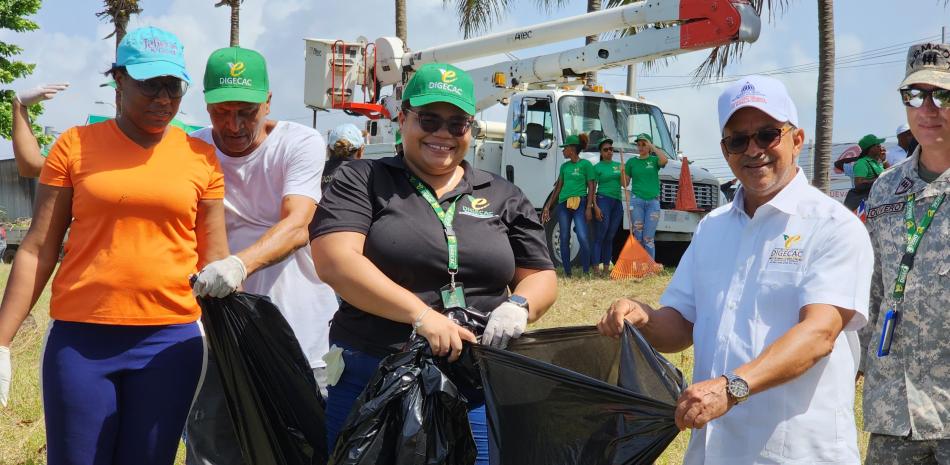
896	450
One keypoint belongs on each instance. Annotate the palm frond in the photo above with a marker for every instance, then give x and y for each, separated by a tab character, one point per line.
118	12
477	16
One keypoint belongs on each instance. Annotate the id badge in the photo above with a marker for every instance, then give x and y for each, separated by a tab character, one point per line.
887	333
453	297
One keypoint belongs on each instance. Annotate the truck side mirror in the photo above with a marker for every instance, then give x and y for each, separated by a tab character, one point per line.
545	143
519	141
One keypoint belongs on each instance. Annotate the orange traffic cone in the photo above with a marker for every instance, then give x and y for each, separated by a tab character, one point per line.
685	196
634	261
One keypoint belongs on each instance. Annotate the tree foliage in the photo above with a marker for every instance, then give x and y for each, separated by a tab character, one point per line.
118	13
13	16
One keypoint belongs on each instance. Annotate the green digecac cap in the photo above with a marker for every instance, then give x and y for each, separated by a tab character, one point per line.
436	82
645	136
236	74
869	140
573	139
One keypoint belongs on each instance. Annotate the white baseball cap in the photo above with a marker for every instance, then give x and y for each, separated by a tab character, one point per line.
767	94
902	129
348	132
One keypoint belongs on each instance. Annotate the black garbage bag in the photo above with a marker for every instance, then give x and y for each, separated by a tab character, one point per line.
571	396
271	394
410	413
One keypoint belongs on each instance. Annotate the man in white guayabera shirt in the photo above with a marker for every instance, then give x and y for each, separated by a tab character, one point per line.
272	172
766	292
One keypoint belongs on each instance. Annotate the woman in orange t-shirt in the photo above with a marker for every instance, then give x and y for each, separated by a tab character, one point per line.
143	201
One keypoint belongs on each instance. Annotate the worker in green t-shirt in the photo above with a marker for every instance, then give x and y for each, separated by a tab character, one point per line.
607	175
644	174
872	161
574	193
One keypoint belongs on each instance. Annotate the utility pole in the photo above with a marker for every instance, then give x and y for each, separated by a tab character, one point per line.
632	80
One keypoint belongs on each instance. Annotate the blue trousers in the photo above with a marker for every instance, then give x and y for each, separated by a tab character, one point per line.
564	219
359	368
118	394
612	210
646	216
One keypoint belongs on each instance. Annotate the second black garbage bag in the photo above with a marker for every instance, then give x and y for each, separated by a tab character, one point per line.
271	394
571	396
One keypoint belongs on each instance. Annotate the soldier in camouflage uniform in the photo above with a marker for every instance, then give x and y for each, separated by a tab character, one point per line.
907	391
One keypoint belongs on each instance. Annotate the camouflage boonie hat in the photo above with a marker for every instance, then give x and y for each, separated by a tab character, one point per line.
928	63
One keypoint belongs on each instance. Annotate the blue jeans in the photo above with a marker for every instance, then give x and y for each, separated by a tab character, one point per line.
359	368
646	215
612	210
564	218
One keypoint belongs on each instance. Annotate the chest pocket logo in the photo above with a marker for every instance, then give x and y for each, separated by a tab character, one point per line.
477	207
787	255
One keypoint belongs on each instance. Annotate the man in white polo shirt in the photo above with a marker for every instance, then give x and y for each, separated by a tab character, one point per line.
764	292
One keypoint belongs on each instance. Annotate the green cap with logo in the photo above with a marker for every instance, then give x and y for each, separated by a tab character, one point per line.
436	82
869	141
236	74
645	136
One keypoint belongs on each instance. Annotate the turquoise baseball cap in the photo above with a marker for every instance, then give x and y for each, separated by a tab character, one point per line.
151	52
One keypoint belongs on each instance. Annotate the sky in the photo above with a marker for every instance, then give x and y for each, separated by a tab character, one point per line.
872	37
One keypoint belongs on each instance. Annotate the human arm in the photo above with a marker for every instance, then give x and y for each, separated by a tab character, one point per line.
592	210
35	260
210	231
662	157
285	237
339	261
665	329
839	163
26	149
552	200
790	356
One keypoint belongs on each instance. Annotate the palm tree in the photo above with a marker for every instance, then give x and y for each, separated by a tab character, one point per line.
824	113
592	5
401	23
235	19
118	12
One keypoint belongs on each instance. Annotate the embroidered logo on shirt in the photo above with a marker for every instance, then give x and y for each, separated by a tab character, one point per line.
477	207
904	186
885	209
786	255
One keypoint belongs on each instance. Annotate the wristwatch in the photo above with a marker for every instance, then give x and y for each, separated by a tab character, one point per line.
519	301
736	388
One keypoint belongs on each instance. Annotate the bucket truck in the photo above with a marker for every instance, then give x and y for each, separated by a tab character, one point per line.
545	95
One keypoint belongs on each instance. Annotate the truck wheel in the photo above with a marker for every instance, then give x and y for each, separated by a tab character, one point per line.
8	254
552	233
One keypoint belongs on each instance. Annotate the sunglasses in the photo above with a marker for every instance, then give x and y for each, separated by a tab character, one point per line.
765	138
151	88
431	122
915	98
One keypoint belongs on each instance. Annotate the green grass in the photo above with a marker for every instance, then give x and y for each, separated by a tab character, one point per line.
581	301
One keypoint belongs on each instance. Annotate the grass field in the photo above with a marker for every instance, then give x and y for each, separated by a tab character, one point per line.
581	301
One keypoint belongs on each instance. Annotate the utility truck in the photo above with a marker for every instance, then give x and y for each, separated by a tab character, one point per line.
546	96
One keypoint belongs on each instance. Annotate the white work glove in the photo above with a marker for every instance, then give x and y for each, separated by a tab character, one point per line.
507	321
220	278
39	93
6	375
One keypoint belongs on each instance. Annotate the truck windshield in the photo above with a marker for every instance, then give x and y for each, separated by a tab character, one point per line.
619	120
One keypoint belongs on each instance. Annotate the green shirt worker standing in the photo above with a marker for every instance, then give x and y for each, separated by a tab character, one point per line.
607	175
574	192
644	174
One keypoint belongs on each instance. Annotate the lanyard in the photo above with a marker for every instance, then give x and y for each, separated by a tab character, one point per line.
446	218
914	233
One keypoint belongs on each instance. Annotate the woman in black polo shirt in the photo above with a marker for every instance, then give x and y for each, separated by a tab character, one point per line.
381	239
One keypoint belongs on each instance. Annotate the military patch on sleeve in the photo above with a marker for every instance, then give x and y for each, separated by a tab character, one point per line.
904	186
885	209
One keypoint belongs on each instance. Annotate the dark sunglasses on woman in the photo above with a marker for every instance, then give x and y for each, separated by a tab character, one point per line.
915	98
431	122
765	138
150	88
